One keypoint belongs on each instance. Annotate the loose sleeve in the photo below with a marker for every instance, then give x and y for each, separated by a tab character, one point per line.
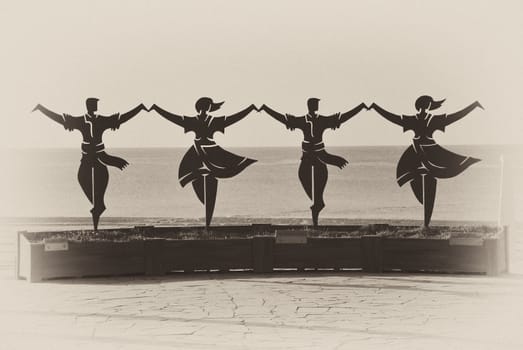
292	122
407	122
113	121
332	121
437	122
187	123
218	124
70	122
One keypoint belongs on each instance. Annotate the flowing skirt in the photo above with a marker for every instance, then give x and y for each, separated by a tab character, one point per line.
210	159
430	159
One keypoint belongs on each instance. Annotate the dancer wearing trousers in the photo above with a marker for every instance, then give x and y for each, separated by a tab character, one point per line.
93	175
313	172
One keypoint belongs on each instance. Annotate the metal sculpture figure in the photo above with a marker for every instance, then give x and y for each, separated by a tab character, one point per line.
93	175
425	161
313	172
206	162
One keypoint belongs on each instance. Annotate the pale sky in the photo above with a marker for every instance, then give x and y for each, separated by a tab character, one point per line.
276	52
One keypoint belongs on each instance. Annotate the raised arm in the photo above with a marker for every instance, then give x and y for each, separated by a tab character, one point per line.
229	120
133	112
276	115
59	118
454	117
349	114
176	119
396	119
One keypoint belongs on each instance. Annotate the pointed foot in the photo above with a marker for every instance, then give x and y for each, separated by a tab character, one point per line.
96	212
208	222
315	210
95	222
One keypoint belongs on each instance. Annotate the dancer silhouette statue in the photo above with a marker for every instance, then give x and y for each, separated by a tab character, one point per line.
425	161
206	162
93	175
313	167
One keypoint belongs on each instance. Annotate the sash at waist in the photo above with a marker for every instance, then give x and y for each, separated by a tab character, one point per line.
312	147
204	142
419	143
315	152
95	154
423	141
88	148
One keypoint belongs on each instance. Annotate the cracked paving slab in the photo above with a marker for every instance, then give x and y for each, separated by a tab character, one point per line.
316	310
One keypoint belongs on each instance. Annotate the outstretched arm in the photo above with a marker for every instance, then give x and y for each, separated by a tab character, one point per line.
52	115
454	117
229	120
133	112
276	115
347	115
176	119
396	119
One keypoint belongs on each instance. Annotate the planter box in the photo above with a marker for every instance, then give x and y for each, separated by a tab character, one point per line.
80	260
463	255
333	253
260	248
191	255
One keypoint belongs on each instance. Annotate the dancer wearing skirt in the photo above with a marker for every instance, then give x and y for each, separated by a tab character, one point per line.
206	162
93	175
313	172
425	161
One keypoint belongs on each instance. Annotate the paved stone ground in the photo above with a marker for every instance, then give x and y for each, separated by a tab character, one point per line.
344	310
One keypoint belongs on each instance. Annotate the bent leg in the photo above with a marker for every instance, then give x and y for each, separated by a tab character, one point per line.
85	178
211	188
100	181
197	186
429	197
320	176
417	187
305	175
206	188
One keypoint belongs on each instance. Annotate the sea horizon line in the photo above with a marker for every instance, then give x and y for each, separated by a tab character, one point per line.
272	146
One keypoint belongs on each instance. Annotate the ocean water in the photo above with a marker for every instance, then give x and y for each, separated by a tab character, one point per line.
42	183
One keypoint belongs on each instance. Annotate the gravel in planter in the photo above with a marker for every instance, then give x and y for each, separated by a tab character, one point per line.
85	236
197	233
126	235
445	232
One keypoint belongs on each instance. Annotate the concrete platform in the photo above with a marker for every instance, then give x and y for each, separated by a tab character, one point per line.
316	310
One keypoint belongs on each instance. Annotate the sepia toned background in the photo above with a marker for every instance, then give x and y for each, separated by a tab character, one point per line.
277	52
